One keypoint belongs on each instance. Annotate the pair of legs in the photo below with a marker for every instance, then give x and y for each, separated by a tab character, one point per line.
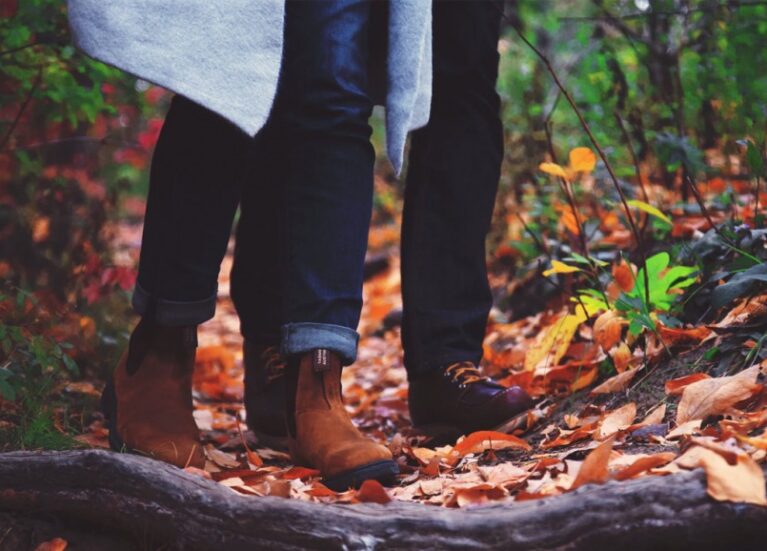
301	242
317	142
454	168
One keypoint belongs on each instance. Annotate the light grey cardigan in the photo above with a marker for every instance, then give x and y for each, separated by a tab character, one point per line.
226	55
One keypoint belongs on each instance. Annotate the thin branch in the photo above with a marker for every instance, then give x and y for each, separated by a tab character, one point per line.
23	108
587	129
20	48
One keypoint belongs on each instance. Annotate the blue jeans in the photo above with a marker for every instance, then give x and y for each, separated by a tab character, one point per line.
313	160
452	180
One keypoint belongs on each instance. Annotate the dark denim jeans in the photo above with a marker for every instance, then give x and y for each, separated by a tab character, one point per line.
450	193
313	162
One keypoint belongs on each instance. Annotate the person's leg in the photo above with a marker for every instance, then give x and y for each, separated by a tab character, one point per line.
321	118
256	291
450	193
193	195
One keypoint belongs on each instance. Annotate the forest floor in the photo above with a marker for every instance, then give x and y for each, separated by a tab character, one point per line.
590	425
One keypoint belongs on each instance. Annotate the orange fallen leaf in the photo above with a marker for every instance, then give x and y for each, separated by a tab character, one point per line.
675	336
371	491
299	473
644	464
675	387
608	328
621	356
594	468
713	396
56	544
616	383
623	275
320	490
483	440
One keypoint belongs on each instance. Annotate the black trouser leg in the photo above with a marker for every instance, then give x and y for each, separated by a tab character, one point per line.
193	195
450	192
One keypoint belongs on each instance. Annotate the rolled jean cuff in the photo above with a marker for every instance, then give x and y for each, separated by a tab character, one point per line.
174	313
300	338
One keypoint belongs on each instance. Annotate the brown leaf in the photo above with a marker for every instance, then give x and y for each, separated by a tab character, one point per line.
621	356
594	467
616	383
656	416
475	495
675	387
713	396
623	275
674	337
371	491
617	420
608	328
742	482
644	464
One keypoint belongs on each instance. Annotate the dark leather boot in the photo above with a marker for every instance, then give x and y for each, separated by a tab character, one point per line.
149	400
456	400
320	432
265	394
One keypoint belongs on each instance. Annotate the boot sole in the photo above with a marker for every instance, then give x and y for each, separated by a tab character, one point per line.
384	472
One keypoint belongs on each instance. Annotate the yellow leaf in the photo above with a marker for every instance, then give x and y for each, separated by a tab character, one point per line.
554	343
554	169
558	267
582	159
649	209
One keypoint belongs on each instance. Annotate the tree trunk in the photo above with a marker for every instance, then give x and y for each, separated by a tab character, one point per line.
152	502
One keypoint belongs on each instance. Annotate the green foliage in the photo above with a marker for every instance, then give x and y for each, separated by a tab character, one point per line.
664	283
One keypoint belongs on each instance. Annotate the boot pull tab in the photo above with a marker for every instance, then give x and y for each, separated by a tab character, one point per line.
321	360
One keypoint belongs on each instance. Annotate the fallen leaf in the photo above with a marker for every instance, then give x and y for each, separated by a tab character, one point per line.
371	491
675	387
644	464
713	396
554	343
483	440
300	473
222	459
685	429
675	336
608	328
616	383
594	468
475	495
623	275
656	416
56	544
742	482
621	356
617	420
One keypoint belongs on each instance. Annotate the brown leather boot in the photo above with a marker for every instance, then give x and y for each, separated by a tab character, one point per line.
149	401
449	402
320	432
265	394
